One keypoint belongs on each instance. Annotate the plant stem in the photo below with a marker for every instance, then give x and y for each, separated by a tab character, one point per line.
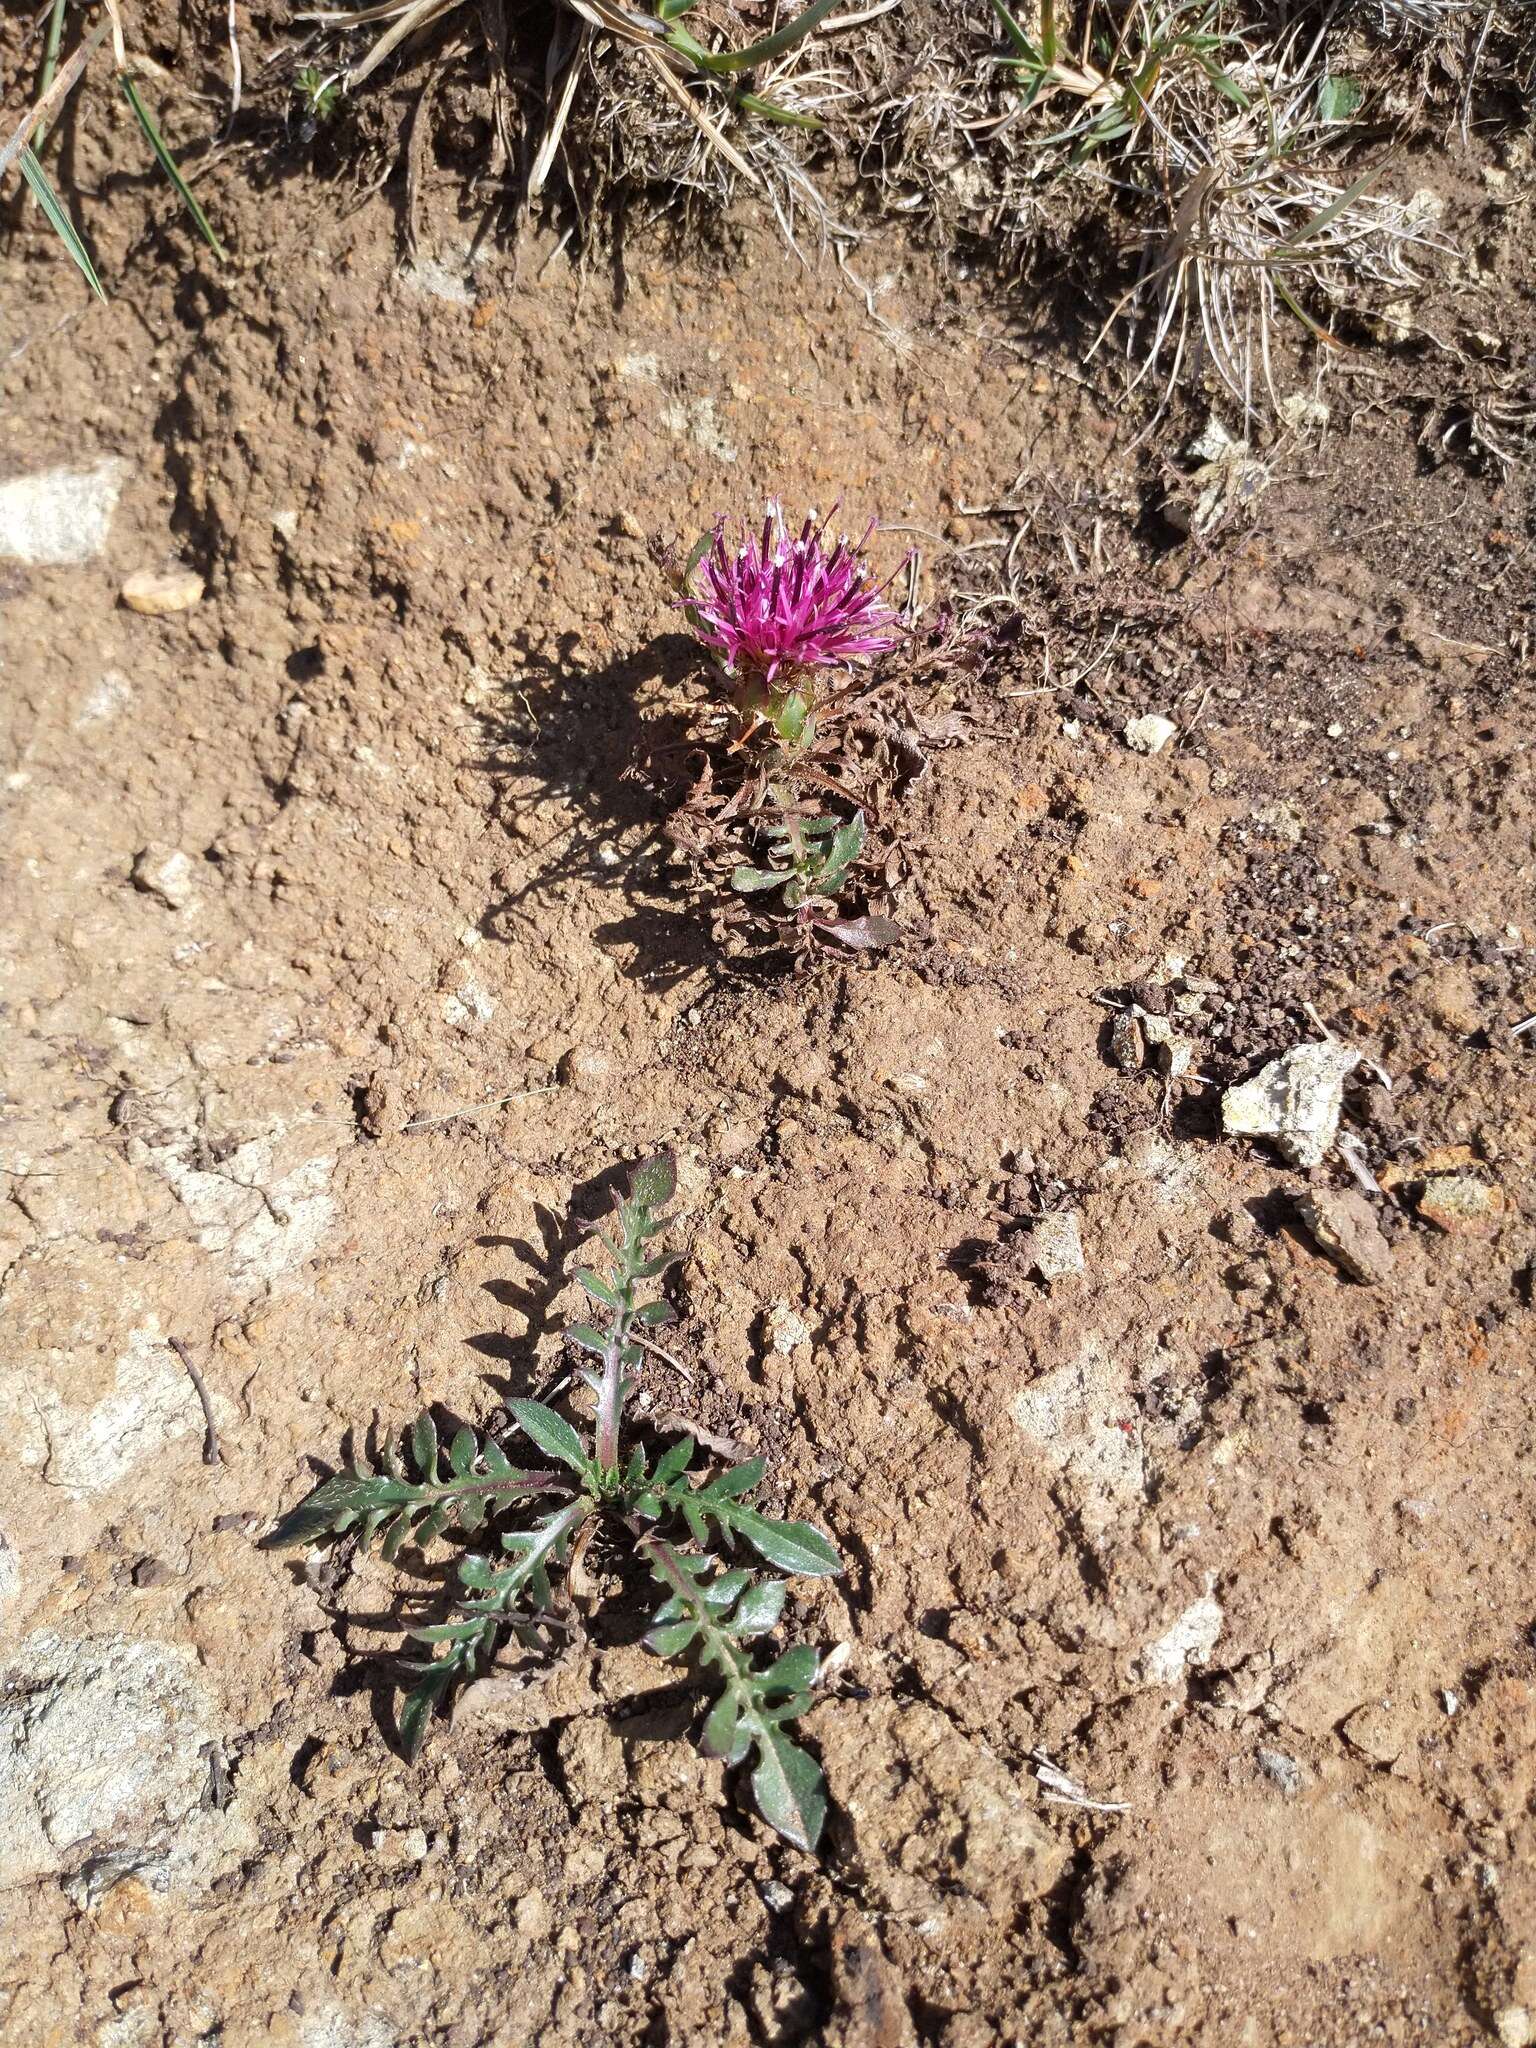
50	67
610	1399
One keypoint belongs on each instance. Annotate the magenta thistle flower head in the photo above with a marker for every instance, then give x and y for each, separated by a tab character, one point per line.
772	601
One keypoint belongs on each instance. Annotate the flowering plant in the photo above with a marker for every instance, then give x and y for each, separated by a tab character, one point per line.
779	609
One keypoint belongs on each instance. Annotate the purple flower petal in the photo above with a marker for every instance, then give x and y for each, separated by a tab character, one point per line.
770	601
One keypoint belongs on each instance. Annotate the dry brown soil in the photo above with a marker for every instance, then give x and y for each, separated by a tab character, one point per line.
1240	1544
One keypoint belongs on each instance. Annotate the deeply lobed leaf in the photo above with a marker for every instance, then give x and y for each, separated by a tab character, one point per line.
481	1480
716	1615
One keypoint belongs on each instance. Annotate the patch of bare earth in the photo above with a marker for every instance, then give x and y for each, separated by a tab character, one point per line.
1239	1544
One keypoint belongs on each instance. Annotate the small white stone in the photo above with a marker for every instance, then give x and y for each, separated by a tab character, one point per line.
61	517
105	700
470	1007
1056	1245
159	592
786	1331
1296	1100
1190	1640
10	1574
1150	734
1513	2026
435	279
165	873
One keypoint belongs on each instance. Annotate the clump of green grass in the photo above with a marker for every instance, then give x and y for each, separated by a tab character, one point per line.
56	80
672	96
1234	152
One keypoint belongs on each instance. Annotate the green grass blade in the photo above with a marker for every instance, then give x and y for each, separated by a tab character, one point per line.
50	67
59	220
1331	212
754	103
168	164
689	46
1026	49
782	39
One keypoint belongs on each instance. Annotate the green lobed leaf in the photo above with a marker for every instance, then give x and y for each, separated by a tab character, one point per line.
723	1734
790	1546
789	1788
759	1609
416	1708
654	1182
599	1289
424	1444
794	1672
449	1632
808	828
673	1460
716	1617
671	1638
847	845
420	1508
750	881
333	1506
1339	98
739	1481
795	1547
720	1592
552	1433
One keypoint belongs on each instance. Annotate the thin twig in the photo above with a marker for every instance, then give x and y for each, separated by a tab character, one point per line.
211	1452
236	76
424	1123
722	1446
646	1344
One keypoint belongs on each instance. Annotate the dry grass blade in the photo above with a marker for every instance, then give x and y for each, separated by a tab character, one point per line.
420	14
49	102
548	148
679	92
